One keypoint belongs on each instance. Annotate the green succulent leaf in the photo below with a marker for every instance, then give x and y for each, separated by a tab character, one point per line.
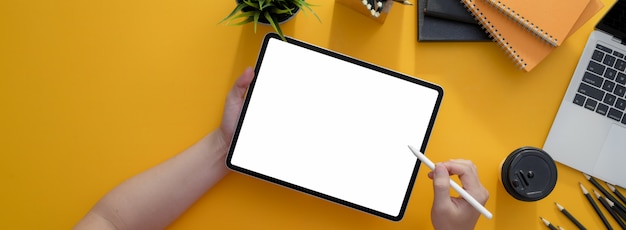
282	11
245	15
256	19
304	5
272	19
252	3
235	11
262	4
268	10
249	18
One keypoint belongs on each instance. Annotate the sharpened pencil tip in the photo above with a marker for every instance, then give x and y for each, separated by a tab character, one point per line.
546	222
583	188
597	194
587	176
559	206
611	187
611	203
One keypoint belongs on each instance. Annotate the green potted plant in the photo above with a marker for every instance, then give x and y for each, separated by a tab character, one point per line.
272	12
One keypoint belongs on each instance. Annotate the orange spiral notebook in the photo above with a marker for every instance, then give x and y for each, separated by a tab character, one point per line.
522	47
552	21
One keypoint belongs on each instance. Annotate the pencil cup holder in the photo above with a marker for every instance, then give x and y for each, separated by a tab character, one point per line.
528	174
374	9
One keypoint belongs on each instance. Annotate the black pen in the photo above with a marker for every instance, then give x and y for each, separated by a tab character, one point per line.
606	193
570	217
616	192
547	223
611	211
595	207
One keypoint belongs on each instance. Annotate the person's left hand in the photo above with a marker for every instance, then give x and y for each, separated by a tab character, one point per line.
234	102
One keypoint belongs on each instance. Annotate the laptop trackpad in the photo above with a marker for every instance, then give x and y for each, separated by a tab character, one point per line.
609	166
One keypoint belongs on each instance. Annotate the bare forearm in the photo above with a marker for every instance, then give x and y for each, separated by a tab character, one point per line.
155	198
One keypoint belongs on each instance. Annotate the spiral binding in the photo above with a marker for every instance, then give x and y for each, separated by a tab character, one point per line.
527	24
493	33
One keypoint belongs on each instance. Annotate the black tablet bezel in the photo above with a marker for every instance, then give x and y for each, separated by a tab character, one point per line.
356	62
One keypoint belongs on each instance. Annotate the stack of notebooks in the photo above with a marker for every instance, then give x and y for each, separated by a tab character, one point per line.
447	20
527	31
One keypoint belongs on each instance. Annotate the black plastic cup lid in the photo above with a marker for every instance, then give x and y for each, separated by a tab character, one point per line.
529	174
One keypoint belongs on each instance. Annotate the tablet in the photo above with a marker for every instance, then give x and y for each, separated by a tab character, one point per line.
334	127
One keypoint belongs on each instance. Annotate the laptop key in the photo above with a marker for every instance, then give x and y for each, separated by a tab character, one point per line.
597	55
609	60
590	104
620	65
618	54
615	114
624	119
609	99
590	91
596	68
604	48
620	91
621	78
579	99
610	74
608	86
592	79
620	104
602	109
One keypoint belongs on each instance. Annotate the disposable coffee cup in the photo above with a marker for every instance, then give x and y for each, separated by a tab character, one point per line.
528	174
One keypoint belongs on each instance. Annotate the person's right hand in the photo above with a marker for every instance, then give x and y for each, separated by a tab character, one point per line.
455	212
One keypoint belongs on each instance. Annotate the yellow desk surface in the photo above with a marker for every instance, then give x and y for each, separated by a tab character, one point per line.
94	92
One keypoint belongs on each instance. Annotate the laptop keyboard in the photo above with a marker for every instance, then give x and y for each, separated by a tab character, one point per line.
603	86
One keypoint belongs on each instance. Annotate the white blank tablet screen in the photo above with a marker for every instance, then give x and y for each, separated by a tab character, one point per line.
324	125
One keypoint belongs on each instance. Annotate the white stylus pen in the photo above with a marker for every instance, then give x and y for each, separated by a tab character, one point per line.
454	185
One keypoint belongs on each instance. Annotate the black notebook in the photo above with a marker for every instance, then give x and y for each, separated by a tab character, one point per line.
449	9
438	29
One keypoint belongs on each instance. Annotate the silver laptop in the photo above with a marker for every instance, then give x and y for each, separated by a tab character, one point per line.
589	131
